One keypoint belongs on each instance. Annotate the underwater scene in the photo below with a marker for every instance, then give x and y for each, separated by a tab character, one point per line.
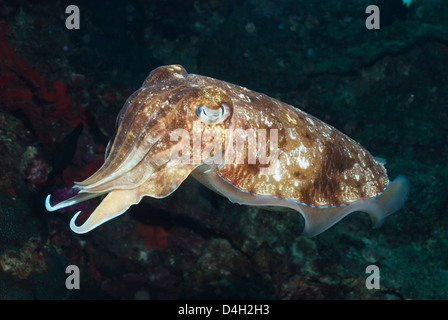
224	150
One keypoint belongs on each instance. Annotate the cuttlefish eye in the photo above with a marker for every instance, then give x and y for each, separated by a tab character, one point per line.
212	115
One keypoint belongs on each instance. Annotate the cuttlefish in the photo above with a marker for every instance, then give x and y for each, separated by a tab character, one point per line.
244	145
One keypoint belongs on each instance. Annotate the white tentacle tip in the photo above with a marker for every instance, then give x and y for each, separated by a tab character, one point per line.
48	206
74	227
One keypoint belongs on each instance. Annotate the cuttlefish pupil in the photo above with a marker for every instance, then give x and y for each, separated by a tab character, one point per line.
318	171
211	115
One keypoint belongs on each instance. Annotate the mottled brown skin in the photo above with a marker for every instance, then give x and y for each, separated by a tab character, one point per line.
330	177
318	171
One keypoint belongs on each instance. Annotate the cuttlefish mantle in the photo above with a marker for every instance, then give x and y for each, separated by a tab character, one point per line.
244	145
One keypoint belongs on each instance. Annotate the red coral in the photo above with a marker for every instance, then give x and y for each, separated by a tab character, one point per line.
155	237
37	173
23	89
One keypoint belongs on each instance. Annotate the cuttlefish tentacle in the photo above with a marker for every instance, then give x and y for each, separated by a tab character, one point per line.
138	175
118	201
127	175
113	205
80	197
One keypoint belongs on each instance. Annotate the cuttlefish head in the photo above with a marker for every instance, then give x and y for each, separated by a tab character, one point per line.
164	132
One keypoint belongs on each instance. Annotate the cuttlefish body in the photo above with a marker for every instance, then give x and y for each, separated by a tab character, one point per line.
244	145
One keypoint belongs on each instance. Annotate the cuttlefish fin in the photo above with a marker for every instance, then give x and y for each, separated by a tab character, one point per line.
391	200
113	205
317	220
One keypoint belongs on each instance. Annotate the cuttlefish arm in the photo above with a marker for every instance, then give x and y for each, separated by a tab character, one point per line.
161	182
118	202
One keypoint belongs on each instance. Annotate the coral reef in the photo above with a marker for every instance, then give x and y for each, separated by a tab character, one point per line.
31	259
